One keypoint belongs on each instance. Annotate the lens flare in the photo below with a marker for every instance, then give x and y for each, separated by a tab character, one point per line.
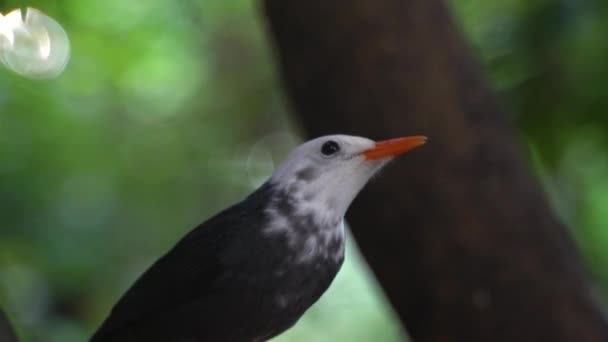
33	45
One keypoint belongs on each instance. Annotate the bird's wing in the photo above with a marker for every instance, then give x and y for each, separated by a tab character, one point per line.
193	267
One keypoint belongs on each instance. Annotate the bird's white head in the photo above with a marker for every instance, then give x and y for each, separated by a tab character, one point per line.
325	174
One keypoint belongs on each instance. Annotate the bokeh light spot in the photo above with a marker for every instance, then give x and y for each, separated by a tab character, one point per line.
33	44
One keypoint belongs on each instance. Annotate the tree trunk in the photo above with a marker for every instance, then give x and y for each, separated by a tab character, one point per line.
458	233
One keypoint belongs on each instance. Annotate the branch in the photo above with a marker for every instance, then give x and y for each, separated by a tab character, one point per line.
7	334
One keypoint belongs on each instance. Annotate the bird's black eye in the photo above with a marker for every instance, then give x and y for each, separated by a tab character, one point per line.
330	147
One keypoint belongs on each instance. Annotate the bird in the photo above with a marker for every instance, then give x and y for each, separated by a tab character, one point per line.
250	272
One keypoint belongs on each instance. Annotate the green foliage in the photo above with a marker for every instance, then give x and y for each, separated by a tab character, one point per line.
171	110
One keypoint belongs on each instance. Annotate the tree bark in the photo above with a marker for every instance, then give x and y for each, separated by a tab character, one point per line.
458	233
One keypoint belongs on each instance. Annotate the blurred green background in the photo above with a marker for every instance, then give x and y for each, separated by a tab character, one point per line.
171	110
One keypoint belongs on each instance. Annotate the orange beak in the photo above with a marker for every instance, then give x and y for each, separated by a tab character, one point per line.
394	147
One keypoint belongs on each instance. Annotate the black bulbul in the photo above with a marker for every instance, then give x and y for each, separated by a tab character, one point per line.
251	271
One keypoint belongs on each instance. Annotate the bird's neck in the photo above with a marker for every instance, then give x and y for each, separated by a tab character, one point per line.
311	228
294	200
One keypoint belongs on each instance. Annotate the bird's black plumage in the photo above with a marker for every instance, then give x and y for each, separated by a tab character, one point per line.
227	280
